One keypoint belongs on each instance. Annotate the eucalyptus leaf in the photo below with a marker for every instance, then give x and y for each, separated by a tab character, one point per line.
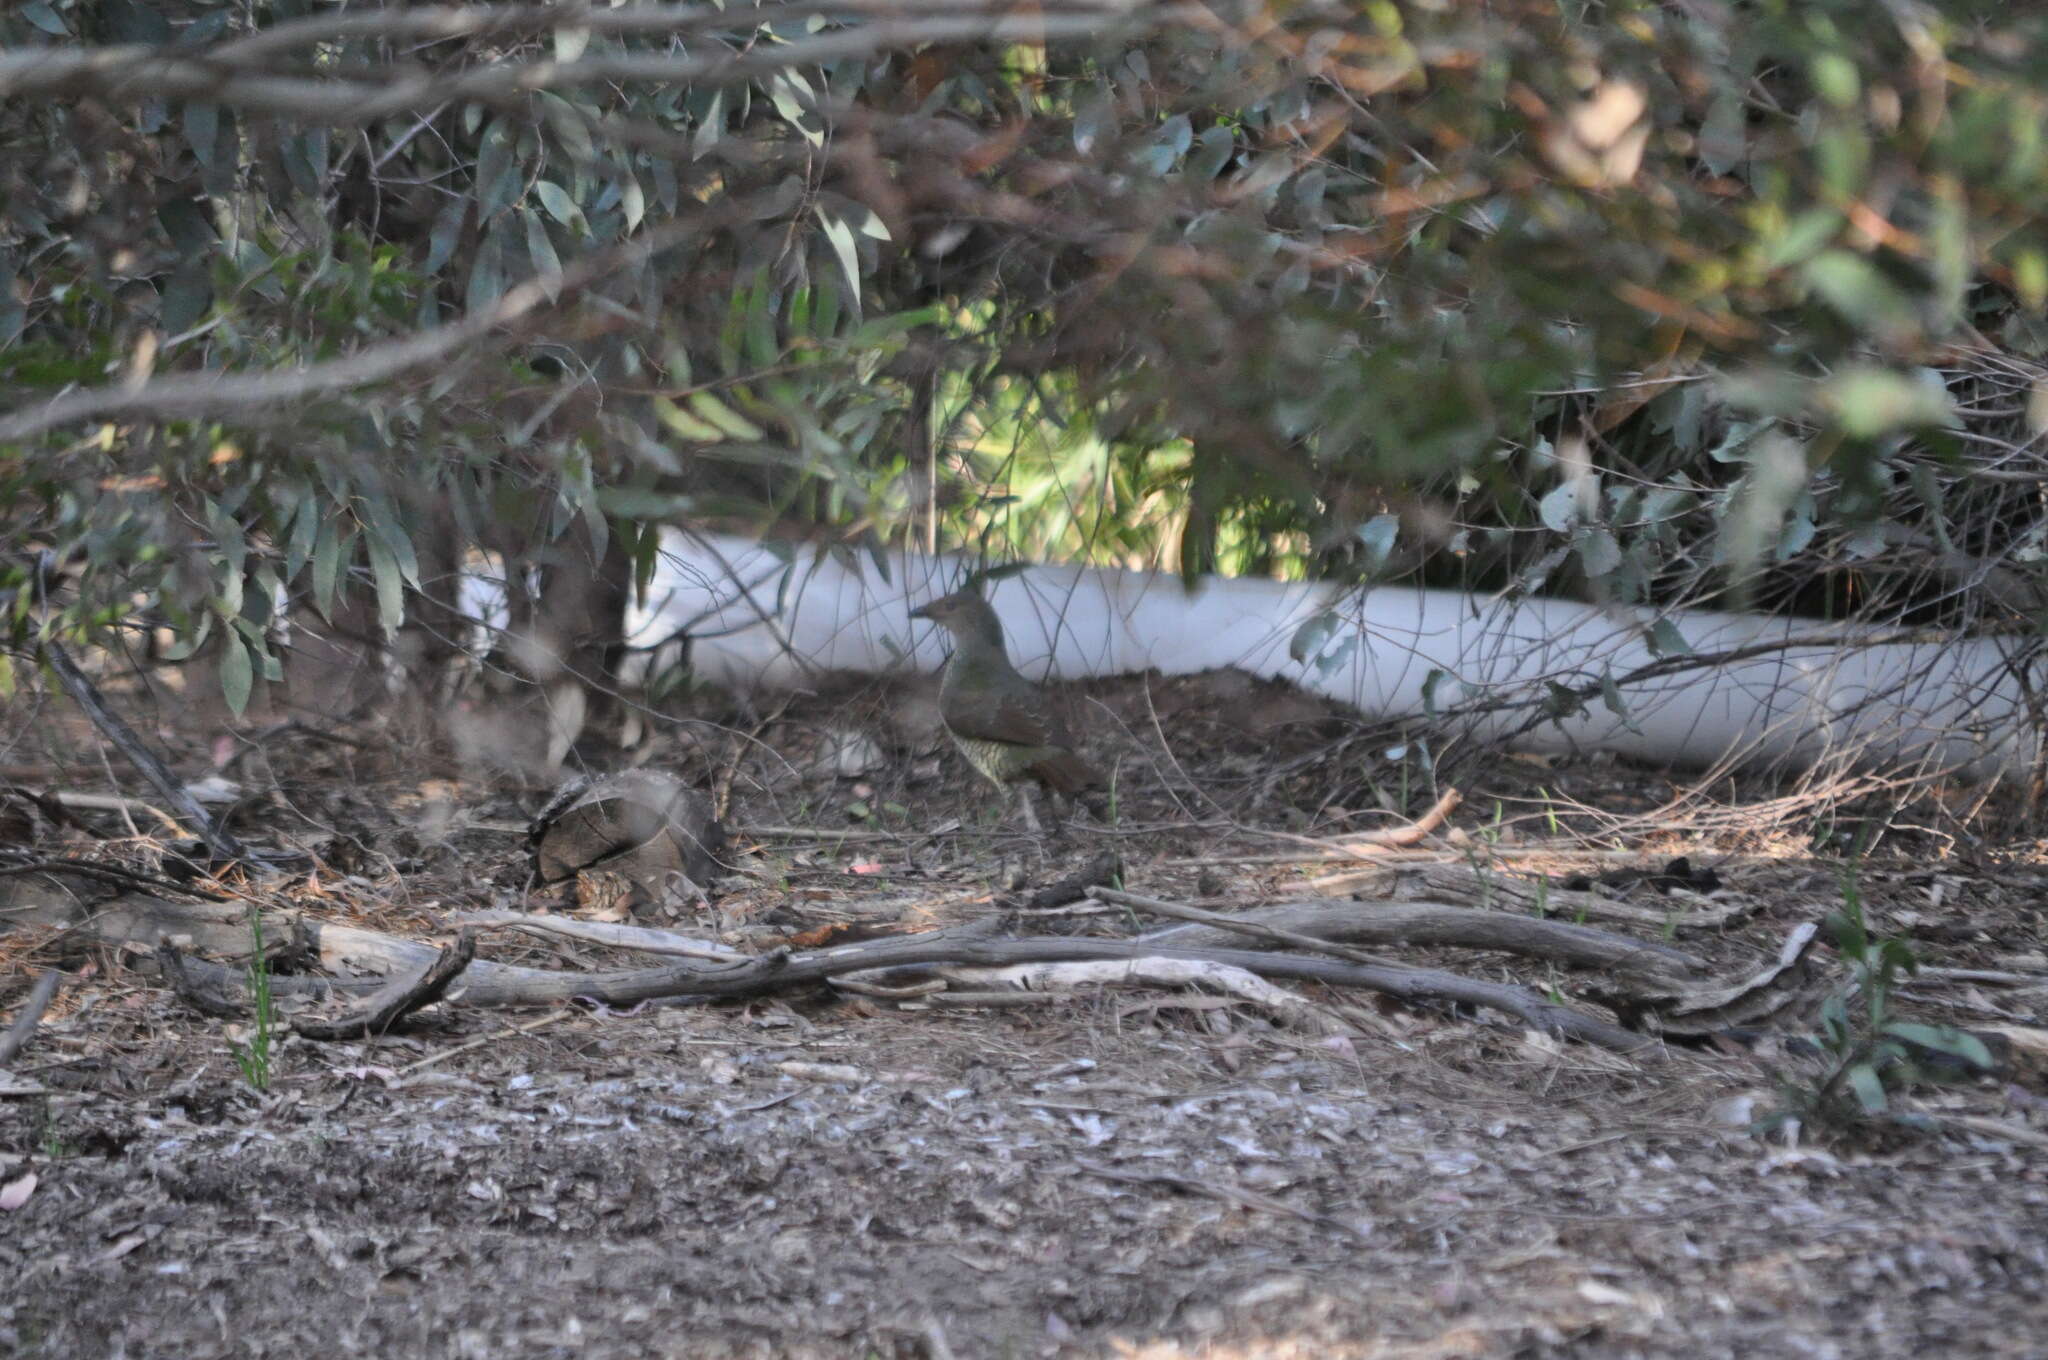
187	296
1722	136
632	203
558	205
390	584
39	13
237	674
1866	401
497	170
331	551
1944	1039
1868	1088
1310	637
540	249
731	422
1377	535
685	424
1559	508
840	236
1666	640
1214	149
1599	554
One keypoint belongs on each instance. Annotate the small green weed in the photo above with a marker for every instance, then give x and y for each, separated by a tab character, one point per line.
253	1058
1869	1051
49	1138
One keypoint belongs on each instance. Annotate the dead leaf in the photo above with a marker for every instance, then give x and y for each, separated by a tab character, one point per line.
1600	143
1600	121
15	1193
127	1243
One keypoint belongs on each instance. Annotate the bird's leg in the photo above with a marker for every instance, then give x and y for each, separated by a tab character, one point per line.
1030	812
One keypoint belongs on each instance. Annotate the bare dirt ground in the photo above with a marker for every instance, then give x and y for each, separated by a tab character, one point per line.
1123	1172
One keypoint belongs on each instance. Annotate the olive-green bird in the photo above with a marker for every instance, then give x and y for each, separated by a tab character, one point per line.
1001	722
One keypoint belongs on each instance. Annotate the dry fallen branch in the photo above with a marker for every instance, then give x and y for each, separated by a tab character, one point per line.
1360	844
969	945
993	1001
1986	1127
24	1026
396	1000
1500	892
916	991
86	695
782	970
58	869
1073	887
1318	922
1039	978
1698	1011
1231	925
208	994
643	939
1415	831
111	802
65	902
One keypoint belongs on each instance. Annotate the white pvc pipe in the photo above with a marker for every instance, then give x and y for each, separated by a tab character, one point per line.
772	617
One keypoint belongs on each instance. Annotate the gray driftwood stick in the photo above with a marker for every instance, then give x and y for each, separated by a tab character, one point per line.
484	985
1516	894
208	994
397	999
780	971
24	1027
1340	920
86	695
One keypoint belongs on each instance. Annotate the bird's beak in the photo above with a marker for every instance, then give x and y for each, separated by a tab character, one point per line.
921	612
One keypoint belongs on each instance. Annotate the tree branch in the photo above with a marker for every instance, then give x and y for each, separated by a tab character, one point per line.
129	73
441	22
188	396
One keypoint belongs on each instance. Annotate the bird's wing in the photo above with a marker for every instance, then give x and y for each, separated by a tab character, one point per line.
1006	708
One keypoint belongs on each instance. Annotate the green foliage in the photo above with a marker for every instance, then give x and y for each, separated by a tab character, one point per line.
252	1059
1651	304
1869	1053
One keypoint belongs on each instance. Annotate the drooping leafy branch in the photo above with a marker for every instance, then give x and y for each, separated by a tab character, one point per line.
1626	299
